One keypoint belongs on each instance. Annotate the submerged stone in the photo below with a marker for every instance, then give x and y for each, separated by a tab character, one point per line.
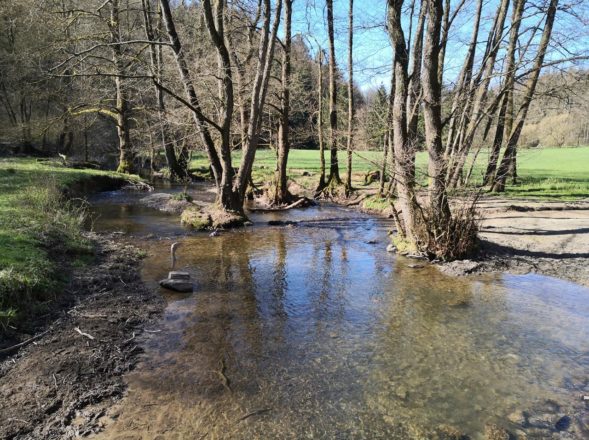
517	417
563	423
494	432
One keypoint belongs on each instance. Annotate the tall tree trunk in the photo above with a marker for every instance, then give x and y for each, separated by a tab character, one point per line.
350	97
258	97
481	82
176	170
463	83
281	194
404	153
413	96
192	98
334	176
432	100
505	115
126	154
322	181
214	20
502	172
383	168
444	40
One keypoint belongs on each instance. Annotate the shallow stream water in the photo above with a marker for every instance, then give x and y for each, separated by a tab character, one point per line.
315	331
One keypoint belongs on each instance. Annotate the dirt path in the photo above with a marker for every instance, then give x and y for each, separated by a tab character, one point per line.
549	238
60	385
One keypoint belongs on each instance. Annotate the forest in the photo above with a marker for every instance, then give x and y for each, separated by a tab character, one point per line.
347	197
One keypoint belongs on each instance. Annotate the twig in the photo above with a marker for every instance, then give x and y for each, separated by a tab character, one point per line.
254	413
84	334
19	420
130	339
23	343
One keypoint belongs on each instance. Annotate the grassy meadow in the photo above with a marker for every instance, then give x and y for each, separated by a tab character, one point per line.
40	231
543	173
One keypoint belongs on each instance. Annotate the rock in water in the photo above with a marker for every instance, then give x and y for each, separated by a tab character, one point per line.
178	282
494	432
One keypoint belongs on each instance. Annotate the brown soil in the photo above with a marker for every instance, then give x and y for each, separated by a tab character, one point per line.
60	385
550	238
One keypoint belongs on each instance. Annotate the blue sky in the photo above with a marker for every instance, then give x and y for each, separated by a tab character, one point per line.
372	49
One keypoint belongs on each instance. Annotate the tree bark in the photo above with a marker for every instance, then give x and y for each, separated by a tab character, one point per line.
432	100
413	96
403	152
321	184
334	177
126	154
350	97
281	194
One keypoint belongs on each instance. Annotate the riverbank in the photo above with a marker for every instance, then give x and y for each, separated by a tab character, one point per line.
72	303
41	235
61	384
522	236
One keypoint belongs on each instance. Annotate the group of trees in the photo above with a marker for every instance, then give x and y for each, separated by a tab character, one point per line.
162	76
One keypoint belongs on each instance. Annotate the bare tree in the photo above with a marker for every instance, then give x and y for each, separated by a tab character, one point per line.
350	97
281	194
231	187
505	115
502	171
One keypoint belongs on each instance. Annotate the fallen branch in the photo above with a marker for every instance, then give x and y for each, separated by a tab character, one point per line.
84	334
356	201
283	208
23	343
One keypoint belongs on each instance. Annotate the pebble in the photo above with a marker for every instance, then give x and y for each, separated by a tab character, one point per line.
563	423
517	417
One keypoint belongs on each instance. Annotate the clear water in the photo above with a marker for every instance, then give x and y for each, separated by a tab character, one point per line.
315	331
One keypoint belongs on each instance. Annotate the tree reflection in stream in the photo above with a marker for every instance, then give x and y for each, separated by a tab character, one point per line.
310	331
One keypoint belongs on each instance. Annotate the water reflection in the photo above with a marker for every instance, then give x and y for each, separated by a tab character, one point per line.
310	331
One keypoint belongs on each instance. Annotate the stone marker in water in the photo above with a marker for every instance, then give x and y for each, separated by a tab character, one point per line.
178	282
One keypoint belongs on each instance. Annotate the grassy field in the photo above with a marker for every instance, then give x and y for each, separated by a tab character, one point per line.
544	173
38	227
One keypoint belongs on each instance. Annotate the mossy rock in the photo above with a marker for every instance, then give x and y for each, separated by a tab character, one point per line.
194	218
223	219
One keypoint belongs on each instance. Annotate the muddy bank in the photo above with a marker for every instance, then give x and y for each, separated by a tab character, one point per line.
59	385
522	237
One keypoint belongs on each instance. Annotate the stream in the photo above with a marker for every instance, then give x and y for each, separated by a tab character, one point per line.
314	331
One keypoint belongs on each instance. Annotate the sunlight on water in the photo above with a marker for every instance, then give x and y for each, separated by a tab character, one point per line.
315	331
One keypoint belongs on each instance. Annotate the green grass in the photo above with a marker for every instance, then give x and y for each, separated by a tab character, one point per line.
38	225
544	173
